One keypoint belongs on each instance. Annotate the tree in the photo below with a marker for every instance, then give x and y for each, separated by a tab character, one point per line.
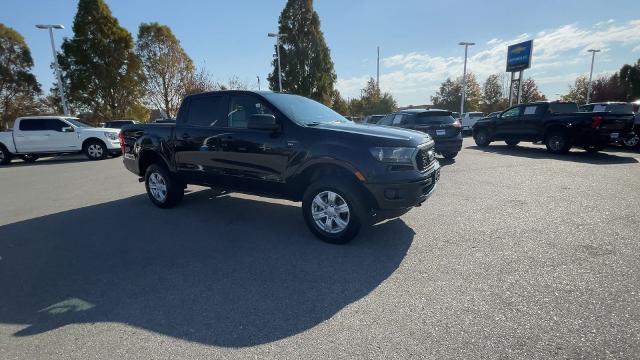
199	81
167	67
339	104
372	101
100	70
629	77
578	91
307	68
492	94
18	86
530	92
449	95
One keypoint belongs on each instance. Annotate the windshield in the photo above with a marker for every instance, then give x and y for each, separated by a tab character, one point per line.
303	110
476	115
78	123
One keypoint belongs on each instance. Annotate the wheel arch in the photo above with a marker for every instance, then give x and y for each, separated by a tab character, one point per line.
88	140
148	157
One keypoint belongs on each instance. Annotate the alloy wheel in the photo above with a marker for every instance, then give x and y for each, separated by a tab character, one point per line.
158	187
95	151
330	212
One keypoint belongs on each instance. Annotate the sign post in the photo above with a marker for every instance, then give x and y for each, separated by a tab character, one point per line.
518	59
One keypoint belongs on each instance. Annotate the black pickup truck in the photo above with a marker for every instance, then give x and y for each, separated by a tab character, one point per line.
560	125
285	146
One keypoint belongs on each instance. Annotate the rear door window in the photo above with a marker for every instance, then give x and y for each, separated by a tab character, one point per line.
206	111
386	120
397	119
563	108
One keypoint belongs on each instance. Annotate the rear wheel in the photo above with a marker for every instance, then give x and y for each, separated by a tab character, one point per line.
29	158
632	142
481	138
512	142
162	188
333	210
95	150
450	155
5	156
557	142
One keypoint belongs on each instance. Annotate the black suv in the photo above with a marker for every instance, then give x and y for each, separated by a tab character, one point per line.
443	128
285	146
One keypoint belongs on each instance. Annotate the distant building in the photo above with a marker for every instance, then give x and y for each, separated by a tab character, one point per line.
426	106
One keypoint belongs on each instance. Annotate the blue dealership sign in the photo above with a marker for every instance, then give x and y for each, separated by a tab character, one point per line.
519	56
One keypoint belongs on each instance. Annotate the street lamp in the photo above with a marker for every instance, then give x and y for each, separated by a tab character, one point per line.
55	62
278	36
464	73
593	57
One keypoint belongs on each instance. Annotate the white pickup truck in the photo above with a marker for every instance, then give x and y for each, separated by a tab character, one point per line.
35	136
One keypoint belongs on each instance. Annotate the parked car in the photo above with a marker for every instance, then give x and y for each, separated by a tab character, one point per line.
493	114
118	124
558	124
372	119
468	119
286	146
618	108
439	124
35	136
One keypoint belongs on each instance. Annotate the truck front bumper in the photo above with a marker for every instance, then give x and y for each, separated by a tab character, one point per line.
394	199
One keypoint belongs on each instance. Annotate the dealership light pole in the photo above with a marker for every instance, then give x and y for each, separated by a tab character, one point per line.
55	62
464	74
278	36
593	57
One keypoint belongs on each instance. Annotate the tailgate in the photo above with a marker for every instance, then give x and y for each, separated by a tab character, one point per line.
615	122
439	131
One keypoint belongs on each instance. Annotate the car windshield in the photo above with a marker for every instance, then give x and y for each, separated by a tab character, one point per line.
78	123
304	111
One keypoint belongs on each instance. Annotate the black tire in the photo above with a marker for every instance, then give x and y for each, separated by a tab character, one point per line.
95	150
5	156
450	155
633	142
557	142
29	158
512	142
347	193
481	137
174	190
594	148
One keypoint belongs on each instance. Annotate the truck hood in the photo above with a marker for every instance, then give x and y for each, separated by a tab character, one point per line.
386	132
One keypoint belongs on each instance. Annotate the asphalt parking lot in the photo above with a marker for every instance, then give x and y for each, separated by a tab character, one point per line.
518	254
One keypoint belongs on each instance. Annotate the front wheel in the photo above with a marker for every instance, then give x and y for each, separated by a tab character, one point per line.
632	142
481	138
95	150
29	158
162	188
332	210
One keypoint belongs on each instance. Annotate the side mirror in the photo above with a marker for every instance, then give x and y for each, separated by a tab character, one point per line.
265	122
68	129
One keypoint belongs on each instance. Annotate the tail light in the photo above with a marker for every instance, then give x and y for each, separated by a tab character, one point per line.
456	124
596	120
121	138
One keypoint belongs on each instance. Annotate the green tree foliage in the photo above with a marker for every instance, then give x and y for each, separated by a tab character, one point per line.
530	92
167	67
578	91
449	95
373	101
339	104
18	86
307	68
629	77
101	72
492	94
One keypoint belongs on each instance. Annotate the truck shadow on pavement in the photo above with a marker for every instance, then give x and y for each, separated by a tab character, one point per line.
224	271
575	155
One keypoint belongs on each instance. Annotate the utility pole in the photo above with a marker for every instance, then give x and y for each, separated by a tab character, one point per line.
593	57
464	74
258	82
50	27
278	42
378	71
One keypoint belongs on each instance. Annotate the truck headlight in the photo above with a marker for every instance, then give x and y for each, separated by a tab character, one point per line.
394	155
111	136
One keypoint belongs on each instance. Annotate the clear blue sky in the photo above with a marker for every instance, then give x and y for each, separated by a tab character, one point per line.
417	38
